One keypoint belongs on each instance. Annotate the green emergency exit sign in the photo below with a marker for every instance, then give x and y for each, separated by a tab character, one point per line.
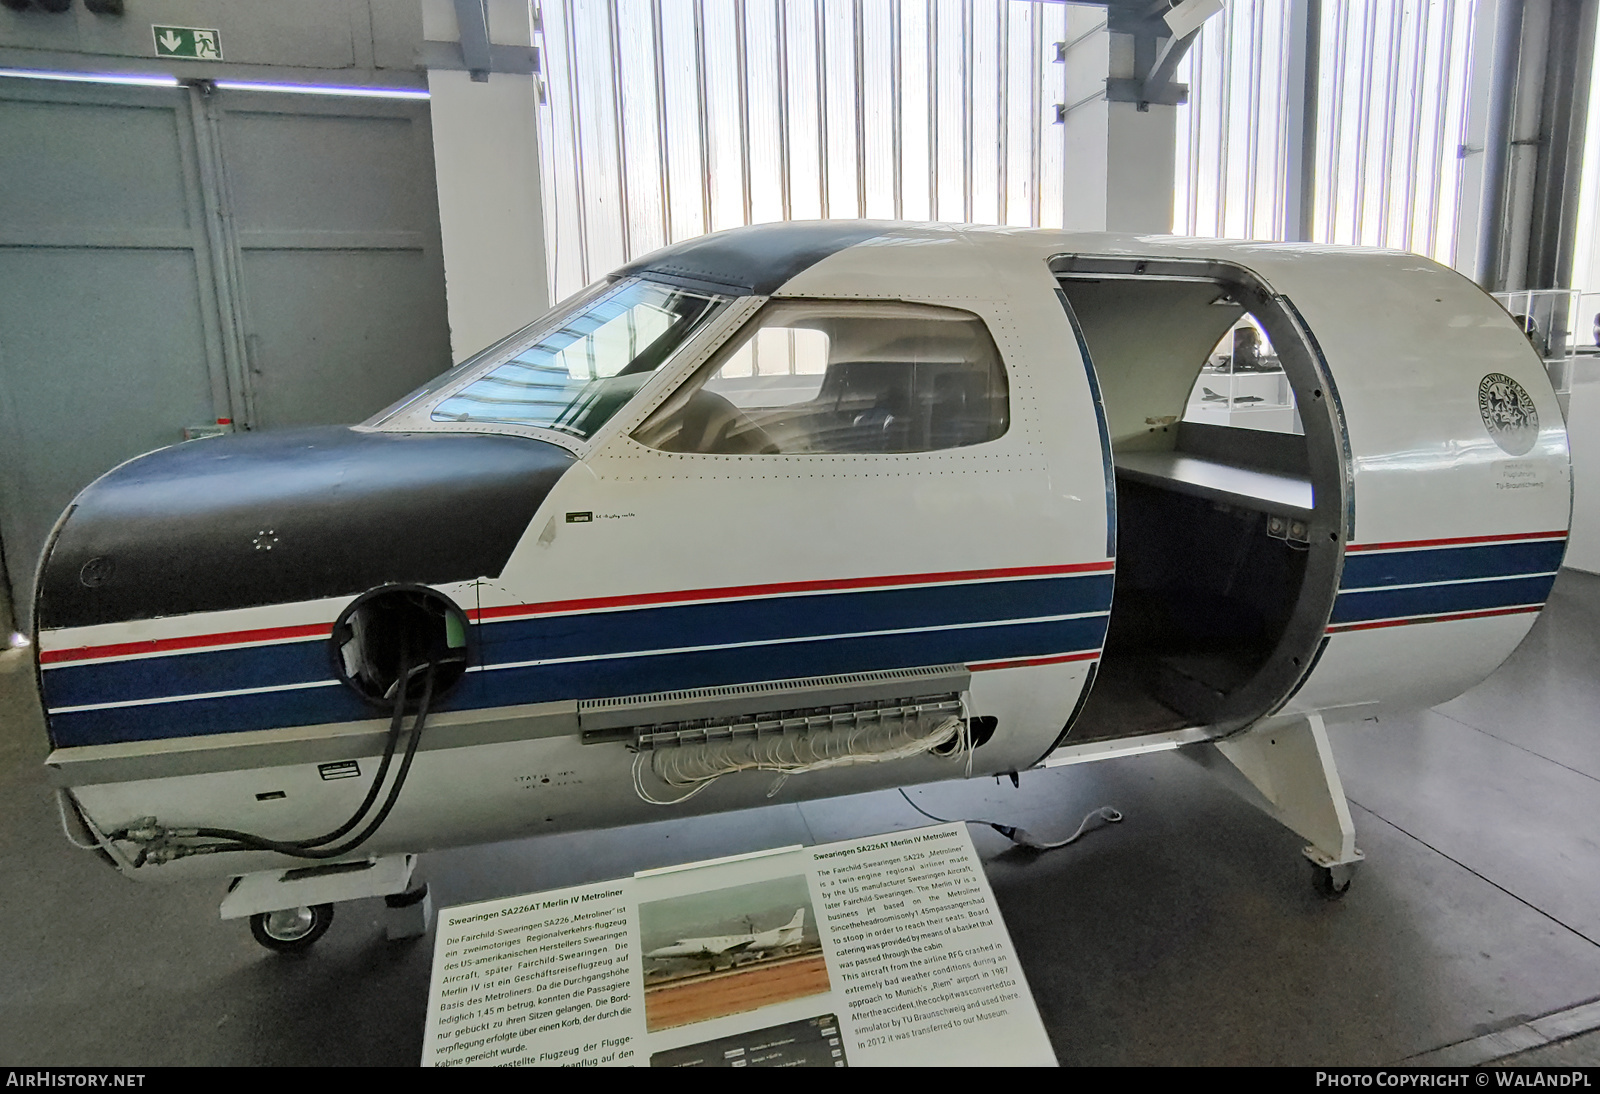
197	43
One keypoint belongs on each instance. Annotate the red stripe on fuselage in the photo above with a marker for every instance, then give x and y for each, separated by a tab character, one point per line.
1339	628
734	592
191	642
1460	541
1026	662
323	630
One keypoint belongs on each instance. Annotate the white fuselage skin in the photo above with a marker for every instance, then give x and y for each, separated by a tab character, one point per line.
1407	340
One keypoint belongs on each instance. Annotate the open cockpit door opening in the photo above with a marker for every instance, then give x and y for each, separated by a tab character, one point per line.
1231	492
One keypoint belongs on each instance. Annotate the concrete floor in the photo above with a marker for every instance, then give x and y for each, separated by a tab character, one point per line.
1188	934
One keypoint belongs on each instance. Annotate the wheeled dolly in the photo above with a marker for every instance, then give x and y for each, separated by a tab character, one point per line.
1286	770
289	910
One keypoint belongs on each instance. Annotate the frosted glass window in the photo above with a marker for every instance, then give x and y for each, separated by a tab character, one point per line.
667	119
1392	110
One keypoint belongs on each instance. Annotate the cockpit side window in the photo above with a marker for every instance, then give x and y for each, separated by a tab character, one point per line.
574	377
840	377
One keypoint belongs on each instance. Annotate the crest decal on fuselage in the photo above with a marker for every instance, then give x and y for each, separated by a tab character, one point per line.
1508	413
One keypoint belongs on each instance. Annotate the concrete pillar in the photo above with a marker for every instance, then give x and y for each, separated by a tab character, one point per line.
1141	152
1083	117
486	161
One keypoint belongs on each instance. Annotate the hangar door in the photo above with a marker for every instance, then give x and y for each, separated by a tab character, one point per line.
172	256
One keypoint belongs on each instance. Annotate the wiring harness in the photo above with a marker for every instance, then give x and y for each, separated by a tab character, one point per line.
158	844
697	766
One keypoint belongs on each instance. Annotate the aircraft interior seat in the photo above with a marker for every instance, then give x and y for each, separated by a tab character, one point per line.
921	406
711	423
878	407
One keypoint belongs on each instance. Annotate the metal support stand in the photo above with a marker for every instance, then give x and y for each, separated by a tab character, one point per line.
303	886
1287	771
408	914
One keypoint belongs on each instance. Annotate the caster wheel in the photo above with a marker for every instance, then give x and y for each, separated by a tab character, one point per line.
293	929
1331	886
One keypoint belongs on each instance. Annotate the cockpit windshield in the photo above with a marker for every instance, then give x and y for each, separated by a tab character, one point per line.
574	375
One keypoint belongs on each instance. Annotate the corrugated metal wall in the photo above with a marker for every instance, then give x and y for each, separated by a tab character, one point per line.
1233	140
172	257
1391	110
666	119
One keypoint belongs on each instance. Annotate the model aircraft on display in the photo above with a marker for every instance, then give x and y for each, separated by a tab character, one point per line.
803	510
733	946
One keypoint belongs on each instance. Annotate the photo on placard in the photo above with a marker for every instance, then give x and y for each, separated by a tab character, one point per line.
727	951
810	1042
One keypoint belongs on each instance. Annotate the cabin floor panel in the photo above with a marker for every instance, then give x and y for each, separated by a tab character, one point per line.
1123	702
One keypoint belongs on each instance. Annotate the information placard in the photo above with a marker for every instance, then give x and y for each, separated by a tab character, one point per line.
881	951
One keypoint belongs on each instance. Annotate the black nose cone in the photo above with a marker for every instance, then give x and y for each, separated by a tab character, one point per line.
274	518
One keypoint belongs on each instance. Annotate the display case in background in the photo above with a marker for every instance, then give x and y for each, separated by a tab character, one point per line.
1562	324
1243	385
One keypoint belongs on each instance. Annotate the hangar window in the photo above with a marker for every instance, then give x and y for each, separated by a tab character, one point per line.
826	377
574	376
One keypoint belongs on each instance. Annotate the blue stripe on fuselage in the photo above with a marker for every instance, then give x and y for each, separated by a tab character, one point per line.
201	717
770	618
1362	571
797	631
788	660
598	633
190	673
1432	600
588	679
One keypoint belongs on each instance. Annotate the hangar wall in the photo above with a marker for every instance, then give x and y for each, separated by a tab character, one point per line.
252	357
491	195
352	41
1398	116
666	121
183	253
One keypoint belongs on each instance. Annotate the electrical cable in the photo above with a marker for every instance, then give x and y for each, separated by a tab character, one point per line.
235	840
930	816
401	686
1022	836
247	841
699	765
61	806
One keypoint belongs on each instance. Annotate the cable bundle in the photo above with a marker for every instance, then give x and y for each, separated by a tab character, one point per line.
158	844
699	765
